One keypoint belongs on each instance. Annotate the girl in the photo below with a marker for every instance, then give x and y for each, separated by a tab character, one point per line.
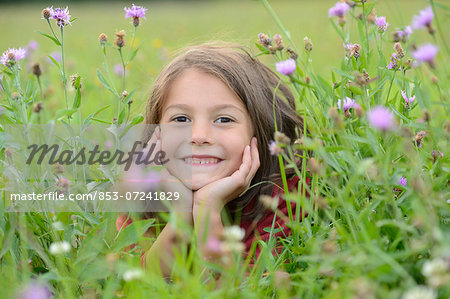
227	100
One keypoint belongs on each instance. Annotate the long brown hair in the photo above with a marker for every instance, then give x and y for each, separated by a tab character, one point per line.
257	86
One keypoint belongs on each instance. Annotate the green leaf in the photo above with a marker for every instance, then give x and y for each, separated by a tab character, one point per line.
262	49
54	61
132	233
77	100
50	37
88	120
60	114
134	53
122	115
105	83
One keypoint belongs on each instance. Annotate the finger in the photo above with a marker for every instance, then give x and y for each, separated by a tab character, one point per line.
244	169
255	162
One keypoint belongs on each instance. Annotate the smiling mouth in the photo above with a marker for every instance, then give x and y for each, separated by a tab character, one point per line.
202	162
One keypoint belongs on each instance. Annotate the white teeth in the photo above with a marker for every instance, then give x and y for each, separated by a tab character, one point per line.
201	161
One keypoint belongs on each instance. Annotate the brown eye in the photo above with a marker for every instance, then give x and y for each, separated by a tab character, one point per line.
224	120
180	119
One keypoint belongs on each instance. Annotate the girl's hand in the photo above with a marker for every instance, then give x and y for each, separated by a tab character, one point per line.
170	183
217	194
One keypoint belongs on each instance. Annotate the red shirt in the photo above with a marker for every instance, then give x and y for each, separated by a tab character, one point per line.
255	231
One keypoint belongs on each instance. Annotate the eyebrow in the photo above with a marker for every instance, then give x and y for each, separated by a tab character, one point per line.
219	107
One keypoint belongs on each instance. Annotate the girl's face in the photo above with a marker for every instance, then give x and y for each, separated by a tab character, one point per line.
204	129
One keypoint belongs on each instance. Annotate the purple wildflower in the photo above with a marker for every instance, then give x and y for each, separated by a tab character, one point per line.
408	101
426	53
61	16
56	56
338	10
137	174
286	67
381	23
423	19
32	45
408	31
11	56
381	118
403	181
347	103
118	69
35	290
1	108
274	148
393	64
135	12
404	34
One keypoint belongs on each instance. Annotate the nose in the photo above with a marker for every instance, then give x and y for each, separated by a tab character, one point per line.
201	133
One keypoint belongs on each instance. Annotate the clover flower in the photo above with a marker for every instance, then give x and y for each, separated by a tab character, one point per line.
339	10
426	53
408	101
11	56
437	272
132	274
381	118
420	292
59	247
402	181
423	19
233	236
381	23
135	12
286	67
61	16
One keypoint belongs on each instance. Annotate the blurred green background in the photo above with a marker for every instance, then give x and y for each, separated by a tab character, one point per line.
171	25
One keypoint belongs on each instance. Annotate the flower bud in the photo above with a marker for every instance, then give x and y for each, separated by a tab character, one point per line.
292	53
37	107
102	38
37	70
434	79
281	138
371	17
269	202
355	50
307	79
135	21
264	40
46	13
119	41
15	95
278	42
76	82
308	44
398	48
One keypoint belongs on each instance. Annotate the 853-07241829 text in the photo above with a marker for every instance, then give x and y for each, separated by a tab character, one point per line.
96	195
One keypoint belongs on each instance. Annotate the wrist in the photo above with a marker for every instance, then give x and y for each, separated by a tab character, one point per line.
200	201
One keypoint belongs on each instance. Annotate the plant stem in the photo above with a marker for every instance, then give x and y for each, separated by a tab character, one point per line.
63	71
390	86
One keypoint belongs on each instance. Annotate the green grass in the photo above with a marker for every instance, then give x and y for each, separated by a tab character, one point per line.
365	236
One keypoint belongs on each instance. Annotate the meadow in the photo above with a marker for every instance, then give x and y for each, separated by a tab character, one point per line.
378	223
